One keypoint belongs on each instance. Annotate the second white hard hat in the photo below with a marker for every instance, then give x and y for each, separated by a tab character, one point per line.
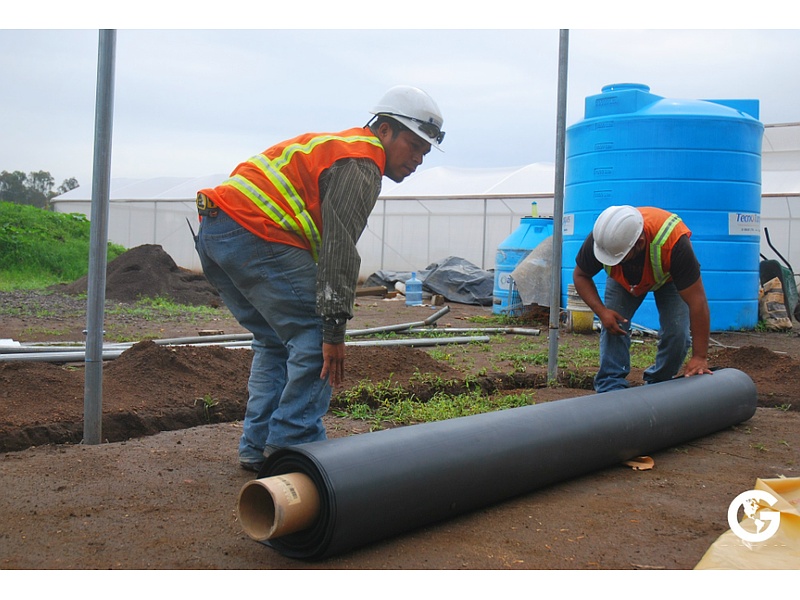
415	109
615	232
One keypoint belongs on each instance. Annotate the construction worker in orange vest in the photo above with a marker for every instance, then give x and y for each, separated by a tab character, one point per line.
643	250
278	241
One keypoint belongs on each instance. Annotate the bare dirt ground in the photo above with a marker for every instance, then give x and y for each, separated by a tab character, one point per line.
161	492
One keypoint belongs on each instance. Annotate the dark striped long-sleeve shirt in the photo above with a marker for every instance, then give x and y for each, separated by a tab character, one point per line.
349	190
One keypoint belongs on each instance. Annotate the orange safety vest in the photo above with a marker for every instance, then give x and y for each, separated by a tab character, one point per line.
276	196
662	229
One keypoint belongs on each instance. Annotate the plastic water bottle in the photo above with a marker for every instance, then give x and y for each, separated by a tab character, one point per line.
534	210
413	291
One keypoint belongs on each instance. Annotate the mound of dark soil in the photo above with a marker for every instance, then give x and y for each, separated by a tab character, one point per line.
777	376
149	272
152	388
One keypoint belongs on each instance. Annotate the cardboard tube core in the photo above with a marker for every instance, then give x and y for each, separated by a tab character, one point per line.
276	506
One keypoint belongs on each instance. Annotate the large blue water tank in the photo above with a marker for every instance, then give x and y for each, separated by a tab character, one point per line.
700	159
511	251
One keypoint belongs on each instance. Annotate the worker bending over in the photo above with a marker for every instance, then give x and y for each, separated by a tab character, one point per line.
643	250
278	241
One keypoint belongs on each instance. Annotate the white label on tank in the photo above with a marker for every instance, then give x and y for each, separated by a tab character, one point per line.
744	223
568	224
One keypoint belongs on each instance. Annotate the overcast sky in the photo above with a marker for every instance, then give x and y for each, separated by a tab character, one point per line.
192	102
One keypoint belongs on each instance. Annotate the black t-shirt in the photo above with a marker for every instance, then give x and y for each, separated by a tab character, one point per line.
685	269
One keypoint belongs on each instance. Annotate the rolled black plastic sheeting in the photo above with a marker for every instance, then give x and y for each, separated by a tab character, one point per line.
376	485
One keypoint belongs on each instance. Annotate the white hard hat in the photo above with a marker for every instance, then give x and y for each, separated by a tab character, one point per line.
615	232
415	109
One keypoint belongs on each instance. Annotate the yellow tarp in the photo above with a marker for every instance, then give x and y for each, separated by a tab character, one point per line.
780	551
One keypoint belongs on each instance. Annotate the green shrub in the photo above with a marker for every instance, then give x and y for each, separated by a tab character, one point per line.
41	248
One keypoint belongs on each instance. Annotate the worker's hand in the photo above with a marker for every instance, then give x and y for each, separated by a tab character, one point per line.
333	363
696	366
611	321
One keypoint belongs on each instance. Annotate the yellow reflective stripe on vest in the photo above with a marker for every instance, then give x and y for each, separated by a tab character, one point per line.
272	169
656	247
304	225
269	208
289	151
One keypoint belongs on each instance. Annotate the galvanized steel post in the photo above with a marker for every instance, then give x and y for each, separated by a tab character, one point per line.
558	206
101	183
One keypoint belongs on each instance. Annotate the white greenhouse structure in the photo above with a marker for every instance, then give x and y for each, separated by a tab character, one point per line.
435	213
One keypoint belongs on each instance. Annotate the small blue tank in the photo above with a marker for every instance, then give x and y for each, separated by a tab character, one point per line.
700	159
511	252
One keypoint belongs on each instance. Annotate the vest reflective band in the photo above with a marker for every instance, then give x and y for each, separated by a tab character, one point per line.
656	248
659	250
278	190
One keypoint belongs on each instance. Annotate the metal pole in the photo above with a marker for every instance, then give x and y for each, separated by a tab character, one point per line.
485	228
383	236
101	178
558	207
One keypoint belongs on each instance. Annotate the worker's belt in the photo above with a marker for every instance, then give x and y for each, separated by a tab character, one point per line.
206	206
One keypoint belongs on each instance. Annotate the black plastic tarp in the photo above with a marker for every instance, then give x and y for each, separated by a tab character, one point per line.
454	278
380	484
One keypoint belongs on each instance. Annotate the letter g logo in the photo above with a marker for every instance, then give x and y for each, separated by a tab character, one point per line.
760	516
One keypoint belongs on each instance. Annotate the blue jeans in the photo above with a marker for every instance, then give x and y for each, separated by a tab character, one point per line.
271	291
673	343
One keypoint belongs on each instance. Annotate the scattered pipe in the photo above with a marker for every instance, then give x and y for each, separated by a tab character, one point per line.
376	485
201	339
437	315
62	356
400	326
77	354
437	341
514	330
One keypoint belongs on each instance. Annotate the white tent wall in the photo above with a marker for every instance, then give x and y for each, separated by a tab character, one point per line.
436	213
780	192
408	234
148	211
134	223
780	215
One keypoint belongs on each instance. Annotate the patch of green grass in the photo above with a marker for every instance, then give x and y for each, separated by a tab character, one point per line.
112	335
443	406
158	308
40	331
366	390
585	355
761	327
537	353
432	380
643	355
41	248
22	278
393	405
442	355
495	321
